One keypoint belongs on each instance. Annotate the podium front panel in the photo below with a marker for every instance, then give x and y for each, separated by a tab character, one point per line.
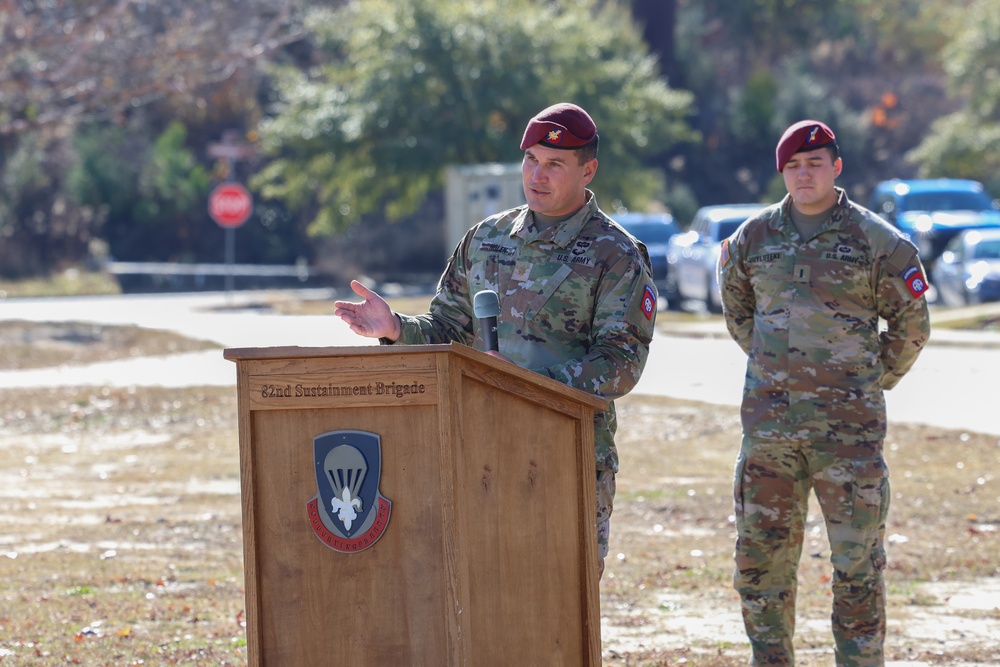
381	606
487	472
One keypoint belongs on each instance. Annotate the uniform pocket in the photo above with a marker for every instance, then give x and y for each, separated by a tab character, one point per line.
870	497
741	464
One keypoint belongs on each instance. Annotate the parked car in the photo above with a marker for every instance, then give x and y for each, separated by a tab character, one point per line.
655	231
931	212
968	270
692	256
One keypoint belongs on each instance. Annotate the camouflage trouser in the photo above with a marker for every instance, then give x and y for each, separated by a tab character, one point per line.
772	484
605	503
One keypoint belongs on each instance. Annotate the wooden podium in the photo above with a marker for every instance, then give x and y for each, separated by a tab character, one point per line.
415	505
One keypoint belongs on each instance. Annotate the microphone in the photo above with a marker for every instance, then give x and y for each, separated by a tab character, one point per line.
486	307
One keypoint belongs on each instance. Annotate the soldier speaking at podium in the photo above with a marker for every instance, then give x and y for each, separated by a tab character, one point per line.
576	295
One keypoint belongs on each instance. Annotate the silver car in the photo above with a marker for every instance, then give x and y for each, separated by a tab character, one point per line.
693	255
968	271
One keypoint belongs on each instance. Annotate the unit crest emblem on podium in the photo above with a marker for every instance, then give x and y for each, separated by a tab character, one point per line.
348	513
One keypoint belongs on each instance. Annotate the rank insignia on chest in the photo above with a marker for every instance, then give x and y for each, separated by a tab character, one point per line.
521	272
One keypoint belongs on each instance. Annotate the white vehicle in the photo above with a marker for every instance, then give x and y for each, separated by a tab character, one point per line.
693	255
968	271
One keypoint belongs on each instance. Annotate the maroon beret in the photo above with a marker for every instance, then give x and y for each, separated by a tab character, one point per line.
805	135
562	125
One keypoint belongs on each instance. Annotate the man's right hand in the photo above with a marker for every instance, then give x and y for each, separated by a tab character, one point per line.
372	318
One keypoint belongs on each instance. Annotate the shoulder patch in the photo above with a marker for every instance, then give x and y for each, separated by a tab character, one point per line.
724	257
915	282
648	302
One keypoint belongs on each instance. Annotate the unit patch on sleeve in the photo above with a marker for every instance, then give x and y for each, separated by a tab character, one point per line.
649	302
914	279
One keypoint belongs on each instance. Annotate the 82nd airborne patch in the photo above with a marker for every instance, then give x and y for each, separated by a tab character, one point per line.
348	513
648	302
914	279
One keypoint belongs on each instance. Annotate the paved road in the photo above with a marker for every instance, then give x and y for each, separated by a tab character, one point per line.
953	384
953	387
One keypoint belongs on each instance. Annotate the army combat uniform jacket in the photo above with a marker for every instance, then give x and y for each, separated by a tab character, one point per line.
577	303
806	312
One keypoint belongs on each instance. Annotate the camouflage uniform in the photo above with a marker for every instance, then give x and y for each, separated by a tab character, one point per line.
577	304
806	312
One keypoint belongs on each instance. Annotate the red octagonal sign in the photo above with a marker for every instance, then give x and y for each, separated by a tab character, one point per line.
230	204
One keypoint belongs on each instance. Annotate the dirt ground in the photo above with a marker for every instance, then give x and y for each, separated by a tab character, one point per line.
667	597
120	536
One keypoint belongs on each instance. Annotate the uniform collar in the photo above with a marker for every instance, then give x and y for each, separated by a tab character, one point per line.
838	217
561	234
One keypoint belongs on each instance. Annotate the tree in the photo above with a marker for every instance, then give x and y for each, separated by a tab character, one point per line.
65	60
658	21
966	143
869	67
412	87
104	177
97	67
40	228
172	184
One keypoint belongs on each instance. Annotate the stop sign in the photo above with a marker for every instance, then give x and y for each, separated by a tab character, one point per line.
230	204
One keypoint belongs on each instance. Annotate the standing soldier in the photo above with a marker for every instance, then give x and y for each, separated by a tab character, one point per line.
577	301
804	284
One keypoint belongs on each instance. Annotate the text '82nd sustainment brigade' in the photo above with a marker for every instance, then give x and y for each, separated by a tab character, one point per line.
348	513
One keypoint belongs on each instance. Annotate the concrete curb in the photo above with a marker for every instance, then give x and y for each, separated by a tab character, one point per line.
942	323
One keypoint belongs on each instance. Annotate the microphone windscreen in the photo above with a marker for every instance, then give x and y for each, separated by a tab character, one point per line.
485	304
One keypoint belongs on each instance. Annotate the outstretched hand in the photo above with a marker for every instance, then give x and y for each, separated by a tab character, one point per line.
372	317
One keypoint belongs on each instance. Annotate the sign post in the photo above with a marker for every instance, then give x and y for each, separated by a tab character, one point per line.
230	204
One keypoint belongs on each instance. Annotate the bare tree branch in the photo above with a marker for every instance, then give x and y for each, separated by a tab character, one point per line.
65	60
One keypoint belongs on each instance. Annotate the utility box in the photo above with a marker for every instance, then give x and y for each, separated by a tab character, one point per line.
475	192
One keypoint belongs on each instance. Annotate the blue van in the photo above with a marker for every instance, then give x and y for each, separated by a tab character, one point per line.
933	211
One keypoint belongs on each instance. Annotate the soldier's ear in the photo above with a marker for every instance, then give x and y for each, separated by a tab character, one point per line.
589	170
